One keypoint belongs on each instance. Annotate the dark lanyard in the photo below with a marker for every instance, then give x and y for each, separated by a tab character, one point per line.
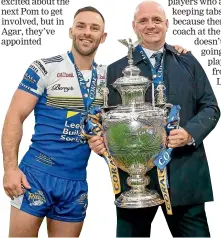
157	75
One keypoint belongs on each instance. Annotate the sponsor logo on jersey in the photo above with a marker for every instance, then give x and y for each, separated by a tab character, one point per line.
30	79
40	66
71	128
36	199
65	75
34	68
58	87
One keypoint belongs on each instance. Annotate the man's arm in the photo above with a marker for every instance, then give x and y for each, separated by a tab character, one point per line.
21	106
207	110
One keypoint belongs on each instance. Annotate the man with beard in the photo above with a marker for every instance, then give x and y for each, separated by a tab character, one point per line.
51	178
186	85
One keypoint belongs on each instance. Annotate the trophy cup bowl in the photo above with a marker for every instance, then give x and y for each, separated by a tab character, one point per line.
133	137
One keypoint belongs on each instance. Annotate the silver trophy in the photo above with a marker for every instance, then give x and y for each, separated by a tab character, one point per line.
134	133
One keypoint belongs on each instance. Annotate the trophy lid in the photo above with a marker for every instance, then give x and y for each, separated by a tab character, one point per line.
132	80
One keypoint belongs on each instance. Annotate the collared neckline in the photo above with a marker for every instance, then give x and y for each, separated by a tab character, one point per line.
138	58
149	53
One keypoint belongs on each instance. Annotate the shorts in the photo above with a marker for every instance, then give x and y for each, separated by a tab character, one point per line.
53	197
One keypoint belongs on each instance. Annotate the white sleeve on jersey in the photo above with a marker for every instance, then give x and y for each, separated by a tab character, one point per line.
34	80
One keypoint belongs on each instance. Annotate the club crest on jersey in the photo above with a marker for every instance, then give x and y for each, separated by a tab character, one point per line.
36	199
101	72
100	76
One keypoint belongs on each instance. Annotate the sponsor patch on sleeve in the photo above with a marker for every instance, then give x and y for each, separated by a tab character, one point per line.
31	79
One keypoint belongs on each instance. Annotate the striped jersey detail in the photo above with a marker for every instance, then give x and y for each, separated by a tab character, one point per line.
70	102
57	58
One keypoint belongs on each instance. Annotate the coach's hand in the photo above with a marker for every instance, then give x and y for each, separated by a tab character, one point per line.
180	49
178	138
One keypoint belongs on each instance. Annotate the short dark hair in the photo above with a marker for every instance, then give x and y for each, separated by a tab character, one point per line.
88	9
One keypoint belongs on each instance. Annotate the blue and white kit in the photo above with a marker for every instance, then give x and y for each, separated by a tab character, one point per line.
55	164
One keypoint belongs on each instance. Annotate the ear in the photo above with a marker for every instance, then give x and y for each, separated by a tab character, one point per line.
167	24
103	38
133	25
70	33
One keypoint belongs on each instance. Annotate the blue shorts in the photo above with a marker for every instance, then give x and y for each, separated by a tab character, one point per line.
53	197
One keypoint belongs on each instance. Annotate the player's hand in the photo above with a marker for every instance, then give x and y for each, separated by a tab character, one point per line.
15	182
180	49
96	143
178	138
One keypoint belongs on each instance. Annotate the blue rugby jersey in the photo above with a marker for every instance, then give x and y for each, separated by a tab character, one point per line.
56	147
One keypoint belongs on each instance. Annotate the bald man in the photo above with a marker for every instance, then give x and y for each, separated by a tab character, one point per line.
186	85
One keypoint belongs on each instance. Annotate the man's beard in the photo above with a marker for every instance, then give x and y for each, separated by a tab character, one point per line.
88	53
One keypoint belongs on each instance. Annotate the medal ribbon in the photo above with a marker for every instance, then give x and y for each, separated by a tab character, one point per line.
156	74
164	157
88	95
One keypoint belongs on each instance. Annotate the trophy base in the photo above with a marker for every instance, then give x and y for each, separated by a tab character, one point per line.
129	199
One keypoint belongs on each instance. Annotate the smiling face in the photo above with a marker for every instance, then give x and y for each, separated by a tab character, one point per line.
150	25
87	32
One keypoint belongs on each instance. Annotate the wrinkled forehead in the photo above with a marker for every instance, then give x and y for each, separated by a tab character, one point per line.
149	12
89	18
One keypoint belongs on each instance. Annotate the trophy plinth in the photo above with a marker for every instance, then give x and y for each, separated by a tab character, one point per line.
139	196
132	199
